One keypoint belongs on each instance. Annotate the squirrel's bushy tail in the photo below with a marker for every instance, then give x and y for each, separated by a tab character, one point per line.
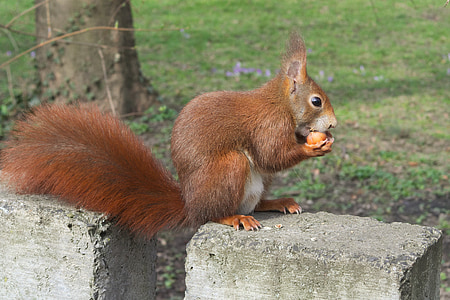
93	160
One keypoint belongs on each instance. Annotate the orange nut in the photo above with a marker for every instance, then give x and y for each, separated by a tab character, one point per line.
315	137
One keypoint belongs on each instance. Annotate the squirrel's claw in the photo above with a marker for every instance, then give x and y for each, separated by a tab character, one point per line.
248	222
281	205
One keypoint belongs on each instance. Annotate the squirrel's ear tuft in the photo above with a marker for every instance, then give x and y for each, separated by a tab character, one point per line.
294	62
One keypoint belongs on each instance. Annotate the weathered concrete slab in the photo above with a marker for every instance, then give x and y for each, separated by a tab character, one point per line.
314	256
50	250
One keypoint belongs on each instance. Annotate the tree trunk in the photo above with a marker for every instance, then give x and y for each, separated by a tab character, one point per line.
99	65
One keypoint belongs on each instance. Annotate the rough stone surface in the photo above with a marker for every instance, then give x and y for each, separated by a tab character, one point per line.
314	256
50	250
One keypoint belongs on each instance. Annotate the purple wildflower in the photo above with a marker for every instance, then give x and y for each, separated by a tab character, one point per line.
8	53
185	35
330	78
237	68
363	71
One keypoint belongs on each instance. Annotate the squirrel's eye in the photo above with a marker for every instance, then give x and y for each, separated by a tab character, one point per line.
316	101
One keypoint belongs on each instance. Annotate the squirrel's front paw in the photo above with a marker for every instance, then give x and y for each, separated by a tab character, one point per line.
320	148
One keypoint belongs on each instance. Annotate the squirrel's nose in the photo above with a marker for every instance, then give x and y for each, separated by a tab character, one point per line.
333	123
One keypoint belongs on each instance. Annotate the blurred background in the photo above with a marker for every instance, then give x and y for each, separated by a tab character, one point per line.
384	64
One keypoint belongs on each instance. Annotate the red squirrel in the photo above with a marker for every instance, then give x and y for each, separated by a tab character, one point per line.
226	147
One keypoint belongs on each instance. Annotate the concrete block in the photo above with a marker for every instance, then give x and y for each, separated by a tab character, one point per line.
50	250
314	256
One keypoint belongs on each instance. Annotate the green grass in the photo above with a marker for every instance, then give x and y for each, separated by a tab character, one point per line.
406	45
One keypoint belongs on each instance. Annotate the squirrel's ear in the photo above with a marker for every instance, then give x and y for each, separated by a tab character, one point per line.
297	72
294	63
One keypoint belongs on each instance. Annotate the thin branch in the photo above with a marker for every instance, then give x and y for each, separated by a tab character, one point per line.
8	30
17	31
11	39
95	45
25	12
132	114
73	34
49	24
108	92
446	3
116	11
